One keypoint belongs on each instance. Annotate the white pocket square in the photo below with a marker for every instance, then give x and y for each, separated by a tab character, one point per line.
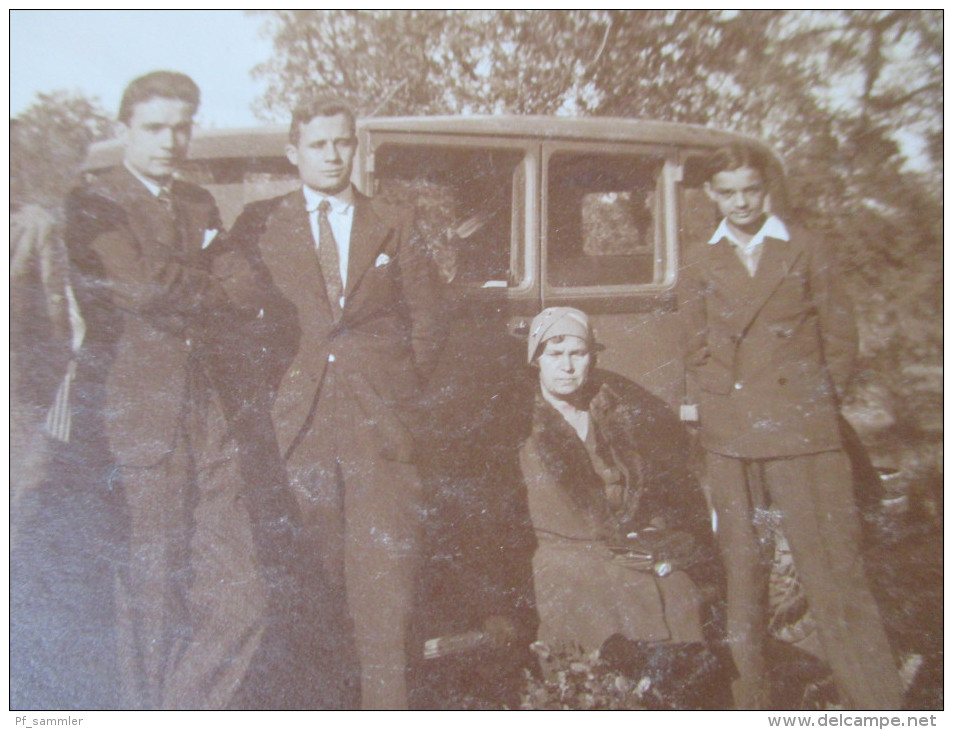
382	260
209	237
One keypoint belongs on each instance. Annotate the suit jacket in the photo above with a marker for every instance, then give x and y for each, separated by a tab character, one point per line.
143	282
768	354
383	346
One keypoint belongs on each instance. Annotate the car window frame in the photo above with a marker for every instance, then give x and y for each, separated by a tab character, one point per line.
372	140
669	245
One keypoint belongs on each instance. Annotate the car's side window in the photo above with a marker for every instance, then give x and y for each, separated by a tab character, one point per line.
470	205
604	221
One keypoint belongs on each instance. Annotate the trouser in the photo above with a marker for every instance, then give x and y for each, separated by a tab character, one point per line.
363	514
189	599
814	496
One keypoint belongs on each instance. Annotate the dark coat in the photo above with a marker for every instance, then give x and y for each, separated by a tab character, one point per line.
146	381
644	438
149	302
768	354
387	338
383	347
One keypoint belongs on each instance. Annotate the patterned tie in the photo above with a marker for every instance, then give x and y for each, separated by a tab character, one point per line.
328	258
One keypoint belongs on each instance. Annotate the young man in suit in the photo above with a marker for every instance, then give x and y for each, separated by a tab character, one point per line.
189	600
347	304
771	346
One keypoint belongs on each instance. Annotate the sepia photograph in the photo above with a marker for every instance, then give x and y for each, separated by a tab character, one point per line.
451	360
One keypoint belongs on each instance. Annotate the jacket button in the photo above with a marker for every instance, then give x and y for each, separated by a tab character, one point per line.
737	386
331	357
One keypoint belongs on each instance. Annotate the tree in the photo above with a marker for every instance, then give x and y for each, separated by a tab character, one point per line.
852	99
48	142
376	58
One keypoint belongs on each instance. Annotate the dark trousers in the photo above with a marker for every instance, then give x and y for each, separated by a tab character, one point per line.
819	518
189	597
363	515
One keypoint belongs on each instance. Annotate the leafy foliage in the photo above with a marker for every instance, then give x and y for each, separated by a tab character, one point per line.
47	144
574	680
852	99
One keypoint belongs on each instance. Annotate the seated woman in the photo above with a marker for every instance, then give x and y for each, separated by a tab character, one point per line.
624	542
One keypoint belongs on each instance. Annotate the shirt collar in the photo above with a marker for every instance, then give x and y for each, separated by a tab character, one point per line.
151	186
340	203
773	227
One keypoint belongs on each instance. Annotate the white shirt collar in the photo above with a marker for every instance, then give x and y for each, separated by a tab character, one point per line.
151	186
773	227
340	203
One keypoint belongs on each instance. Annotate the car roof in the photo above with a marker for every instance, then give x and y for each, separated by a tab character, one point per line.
270	140
606	129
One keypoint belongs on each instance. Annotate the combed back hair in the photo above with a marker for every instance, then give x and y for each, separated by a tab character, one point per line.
735	156
319	106
158	84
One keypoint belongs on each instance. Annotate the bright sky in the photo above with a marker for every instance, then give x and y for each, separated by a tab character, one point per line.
98	52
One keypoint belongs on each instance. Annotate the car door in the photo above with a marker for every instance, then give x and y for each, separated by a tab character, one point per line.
610	248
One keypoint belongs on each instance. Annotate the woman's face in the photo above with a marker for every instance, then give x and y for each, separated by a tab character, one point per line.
564	365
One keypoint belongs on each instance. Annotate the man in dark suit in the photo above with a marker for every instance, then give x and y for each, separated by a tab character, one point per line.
189	599
771	345
346	298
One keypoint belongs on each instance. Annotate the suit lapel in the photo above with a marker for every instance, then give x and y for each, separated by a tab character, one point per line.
288	251
367	237
147	216
731	277
777	258
748	294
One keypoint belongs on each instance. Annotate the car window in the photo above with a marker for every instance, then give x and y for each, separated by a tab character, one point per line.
470	205
604	219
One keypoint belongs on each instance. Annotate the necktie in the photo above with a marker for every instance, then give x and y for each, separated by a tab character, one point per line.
165	198
328	258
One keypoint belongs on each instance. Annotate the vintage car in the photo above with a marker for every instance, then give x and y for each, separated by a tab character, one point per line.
520	213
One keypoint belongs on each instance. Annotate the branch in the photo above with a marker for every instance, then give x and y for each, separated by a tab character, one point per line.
388	97
884	101
602	46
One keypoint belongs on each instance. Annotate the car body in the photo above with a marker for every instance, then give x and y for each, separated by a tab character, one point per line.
520	213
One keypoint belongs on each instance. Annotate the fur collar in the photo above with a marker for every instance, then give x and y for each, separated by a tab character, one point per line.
567	463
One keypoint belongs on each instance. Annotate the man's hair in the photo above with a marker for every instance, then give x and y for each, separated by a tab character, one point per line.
319	106
734	157
158	84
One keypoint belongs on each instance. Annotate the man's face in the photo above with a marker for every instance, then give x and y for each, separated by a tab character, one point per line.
157	137
564	365
324	154
739	195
